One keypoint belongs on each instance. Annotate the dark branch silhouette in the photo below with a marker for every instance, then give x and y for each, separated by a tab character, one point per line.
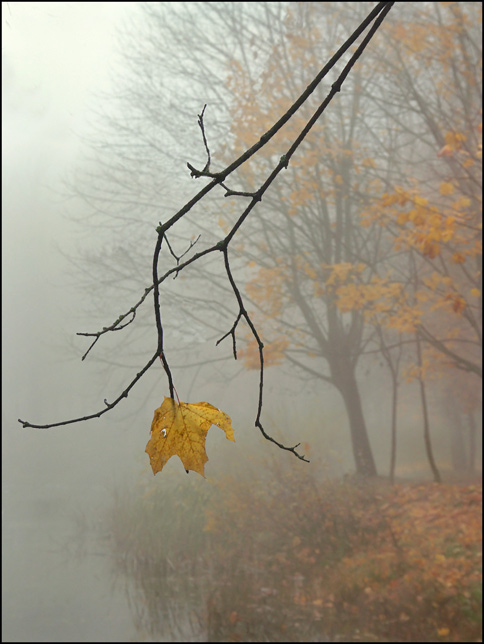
376	17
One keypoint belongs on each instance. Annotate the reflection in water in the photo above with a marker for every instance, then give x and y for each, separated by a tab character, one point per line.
184	585
155	543
57	585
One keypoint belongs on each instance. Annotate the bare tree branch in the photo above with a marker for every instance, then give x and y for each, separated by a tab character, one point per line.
376	17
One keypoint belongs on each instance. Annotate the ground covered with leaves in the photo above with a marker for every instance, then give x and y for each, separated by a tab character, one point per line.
289	558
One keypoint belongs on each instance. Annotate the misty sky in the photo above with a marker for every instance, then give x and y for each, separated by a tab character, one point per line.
56	58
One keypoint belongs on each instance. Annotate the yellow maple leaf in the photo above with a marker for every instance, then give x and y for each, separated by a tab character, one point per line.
181	430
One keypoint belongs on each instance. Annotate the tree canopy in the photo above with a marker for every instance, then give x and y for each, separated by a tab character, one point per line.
343	227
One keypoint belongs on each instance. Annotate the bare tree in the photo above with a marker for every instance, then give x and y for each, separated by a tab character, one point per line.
341	371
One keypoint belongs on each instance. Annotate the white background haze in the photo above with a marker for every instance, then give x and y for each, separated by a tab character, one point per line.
56	58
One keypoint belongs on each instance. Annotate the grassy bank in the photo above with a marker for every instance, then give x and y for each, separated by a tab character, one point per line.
287	557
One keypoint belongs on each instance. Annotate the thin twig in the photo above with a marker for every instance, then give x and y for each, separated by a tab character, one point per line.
377	15
243	313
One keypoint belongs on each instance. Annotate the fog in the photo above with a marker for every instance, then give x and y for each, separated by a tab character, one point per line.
89	535
55	57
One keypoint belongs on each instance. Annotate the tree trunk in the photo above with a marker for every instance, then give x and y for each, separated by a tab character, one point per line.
393	455
344	378
458	445
472	441
423	398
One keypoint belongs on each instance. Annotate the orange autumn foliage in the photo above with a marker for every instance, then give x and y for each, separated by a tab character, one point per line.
433	221
399	563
